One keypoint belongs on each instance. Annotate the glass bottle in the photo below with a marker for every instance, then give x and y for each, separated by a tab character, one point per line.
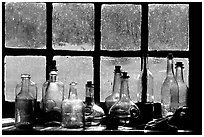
52	97
25	102
73	109
114	97
124	109
169	90
183	89
93	112
145	93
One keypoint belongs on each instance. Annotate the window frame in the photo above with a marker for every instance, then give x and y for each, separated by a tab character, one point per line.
49	52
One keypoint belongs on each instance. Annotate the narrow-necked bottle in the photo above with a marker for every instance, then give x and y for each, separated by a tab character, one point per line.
183	89
73	109
114	97
145	90
169	90
93	112
124	109
25	102
52	97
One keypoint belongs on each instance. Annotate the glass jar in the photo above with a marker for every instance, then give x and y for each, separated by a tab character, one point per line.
72	109
25	102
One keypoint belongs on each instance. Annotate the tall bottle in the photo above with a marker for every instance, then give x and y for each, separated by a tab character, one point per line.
25	102
169	90
52	97
93	112
183	89
145	90
73	109
114	97
124	109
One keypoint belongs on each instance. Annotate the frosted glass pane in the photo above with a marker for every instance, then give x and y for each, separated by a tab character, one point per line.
121	27
16	65
158	68
25	25
168	27
131	65
73	26
77	69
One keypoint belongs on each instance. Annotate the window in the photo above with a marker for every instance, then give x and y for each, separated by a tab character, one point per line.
88	39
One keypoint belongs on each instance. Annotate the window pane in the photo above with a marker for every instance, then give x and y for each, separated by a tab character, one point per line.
77	69
25	25
121	27
158	68
73	26
16	65
168	26
131	65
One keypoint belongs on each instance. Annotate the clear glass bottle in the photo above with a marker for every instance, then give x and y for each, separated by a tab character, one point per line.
169	90
145	93
25	102
114	97
124	109
52	97
183	89
93	112
73	109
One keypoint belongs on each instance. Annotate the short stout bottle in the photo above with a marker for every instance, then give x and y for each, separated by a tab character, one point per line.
93	112
52	97
72	109
25	102
114	97
169	90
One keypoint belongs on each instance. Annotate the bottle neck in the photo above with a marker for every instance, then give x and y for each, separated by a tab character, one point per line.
89	100
25	85
179	74
72	92
53	76
116	83
124	90
170	71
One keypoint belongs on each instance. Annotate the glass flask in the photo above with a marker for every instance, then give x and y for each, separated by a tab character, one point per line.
73	109
145	92
93	112
114	97
169	90
124	109
25	102
183	89
52	97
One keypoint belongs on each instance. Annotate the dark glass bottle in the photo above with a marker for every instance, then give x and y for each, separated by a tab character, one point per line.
25	102
124	109
93	112
73	109
145	93
183	89
52	97
114	97
169	90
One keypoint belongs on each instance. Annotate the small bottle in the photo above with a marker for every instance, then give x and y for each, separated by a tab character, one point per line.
93	112
72	109
124	109
114	97
52	97
183	89
169	90
25	102
145	91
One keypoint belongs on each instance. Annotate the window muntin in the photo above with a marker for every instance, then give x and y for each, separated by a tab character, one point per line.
17	65
25	25
120	27
168	27
73	26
